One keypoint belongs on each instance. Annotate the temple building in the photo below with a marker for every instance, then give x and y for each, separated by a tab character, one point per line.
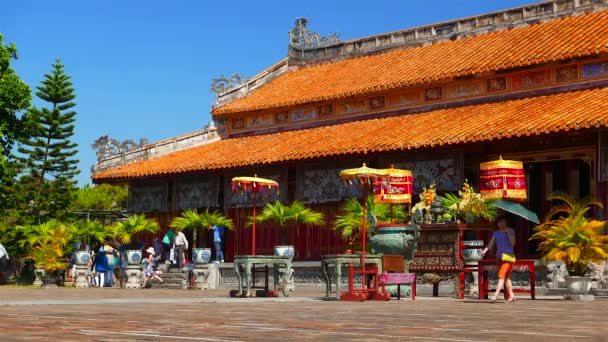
527	83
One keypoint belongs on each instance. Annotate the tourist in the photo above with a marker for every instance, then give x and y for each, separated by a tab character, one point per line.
101	267
112	256
504	240
158	250
180	244
218	236
4	258
167	244
151	272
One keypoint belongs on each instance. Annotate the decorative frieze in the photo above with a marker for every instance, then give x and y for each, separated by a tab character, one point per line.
147	196
322	184
195	192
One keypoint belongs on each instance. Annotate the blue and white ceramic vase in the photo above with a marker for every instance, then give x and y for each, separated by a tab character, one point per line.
201	255
82	257
134	256
285	251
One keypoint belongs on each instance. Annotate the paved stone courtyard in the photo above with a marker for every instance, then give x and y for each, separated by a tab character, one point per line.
181	315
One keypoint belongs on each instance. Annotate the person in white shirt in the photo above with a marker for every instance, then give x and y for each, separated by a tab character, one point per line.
3	264
180	245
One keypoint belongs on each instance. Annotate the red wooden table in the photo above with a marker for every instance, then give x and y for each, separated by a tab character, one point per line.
484	266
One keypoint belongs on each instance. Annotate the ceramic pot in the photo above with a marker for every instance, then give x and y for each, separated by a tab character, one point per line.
286	251
82	257
134	256
472	254
396	239
578	285
201	255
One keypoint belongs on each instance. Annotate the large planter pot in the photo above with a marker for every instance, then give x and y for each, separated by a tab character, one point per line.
472	254
134	256
285	251
396	239
49	281
578	285
82	257
201	255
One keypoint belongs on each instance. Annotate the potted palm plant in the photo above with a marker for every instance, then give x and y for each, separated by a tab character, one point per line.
33	236
47	250
88	232
125	231
198	222
390	235
567	234
295	213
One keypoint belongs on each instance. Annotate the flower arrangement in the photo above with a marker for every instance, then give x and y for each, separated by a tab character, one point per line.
468	203
426	198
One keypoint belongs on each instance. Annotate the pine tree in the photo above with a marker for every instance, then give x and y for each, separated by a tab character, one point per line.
47	156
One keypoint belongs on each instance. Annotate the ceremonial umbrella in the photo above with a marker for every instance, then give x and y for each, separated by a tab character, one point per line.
398	189
516	209
256	185
365	176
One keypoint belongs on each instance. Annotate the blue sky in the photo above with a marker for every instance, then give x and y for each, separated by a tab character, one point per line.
143	68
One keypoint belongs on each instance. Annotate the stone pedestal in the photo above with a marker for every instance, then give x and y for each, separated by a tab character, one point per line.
473	287
81	276
135	277
207	276
39	273
579	297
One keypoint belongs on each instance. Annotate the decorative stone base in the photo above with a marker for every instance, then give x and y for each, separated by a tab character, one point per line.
207	276
135	277
577	297
600	292
81	276
39	273
557	291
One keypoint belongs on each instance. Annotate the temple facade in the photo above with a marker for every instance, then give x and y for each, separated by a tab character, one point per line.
528	83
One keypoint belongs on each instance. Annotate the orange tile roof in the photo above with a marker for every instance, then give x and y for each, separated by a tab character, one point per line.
475	123
555	40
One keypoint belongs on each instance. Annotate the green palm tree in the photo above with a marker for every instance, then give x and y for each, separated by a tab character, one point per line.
296	212
191	220
567	234
125	231
350	223
90	231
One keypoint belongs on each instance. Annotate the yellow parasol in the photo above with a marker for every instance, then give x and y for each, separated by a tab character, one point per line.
365	175
255	185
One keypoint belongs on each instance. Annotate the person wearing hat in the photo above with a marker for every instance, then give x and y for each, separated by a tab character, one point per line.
151	273
101	267
112	257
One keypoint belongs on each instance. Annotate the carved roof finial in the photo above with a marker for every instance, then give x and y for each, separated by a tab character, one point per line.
301	37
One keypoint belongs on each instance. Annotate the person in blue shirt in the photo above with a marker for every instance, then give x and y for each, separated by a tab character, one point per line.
218	235
504	240
101	267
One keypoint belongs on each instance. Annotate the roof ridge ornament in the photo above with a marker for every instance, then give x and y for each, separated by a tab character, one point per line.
221	84
302	38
